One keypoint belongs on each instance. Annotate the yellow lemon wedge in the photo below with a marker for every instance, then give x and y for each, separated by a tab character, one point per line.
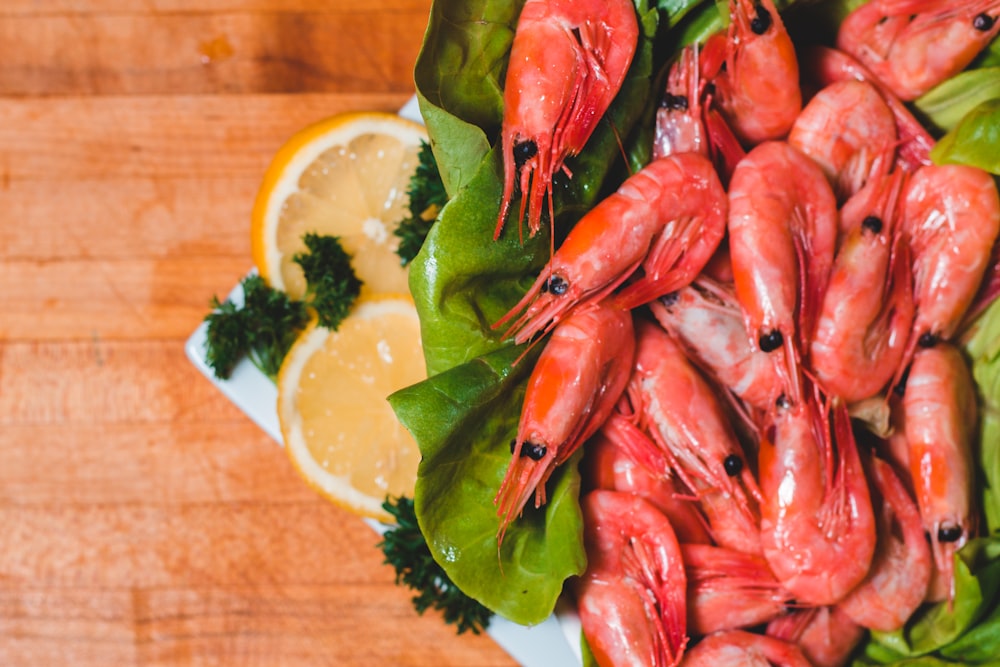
344	176
338	428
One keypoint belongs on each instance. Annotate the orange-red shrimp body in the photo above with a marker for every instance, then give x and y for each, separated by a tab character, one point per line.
758	91
567	62
825	635
827	65
867	310
817	527
739	648
846	128
706	320
668	217
573	387
912	45
683	415
939	413
631	599
901	569
782	234
729	589
612	463
951	215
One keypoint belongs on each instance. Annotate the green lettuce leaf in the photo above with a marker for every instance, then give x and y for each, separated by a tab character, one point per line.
975	140
947	104
463	422
983	349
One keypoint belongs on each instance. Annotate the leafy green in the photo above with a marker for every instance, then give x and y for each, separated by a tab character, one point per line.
406	550
426	198
332	287
262	328
975	140
946	104
462	420
983	349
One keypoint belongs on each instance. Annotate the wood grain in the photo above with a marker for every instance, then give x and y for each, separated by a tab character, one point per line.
143	519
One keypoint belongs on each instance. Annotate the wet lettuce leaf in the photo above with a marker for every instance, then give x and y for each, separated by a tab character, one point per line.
984	351
975	140
463	422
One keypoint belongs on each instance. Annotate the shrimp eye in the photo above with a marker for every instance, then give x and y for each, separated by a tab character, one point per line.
927	339
670	298
762	21
771	341
524	151
783	402
555	284
733	465
675	102
872	223
949	533
983	22
900	387
533	451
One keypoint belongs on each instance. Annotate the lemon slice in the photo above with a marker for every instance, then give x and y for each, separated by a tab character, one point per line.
338	428
345	176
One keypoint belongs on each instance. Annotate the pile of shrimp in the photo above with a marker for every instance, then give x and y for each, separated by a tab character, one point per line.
754	337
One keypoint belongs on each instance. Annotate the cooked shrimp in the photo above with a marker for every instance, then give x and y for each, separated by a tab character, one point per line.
739	648
731	523
846	128
817	527
572	389
729	589
867	310
669	218
939	414
567	62
681	412
612	464
827	65
913	45
782	233
680	125
706	320
951	215
758	89
901	569
825	635
631	599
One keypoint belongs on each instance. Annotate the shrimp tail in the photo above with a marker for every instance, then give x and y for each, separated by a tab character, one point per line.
665	267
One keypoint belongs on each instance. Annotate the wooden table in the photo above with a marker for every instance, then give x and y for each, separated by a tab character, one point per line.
144	520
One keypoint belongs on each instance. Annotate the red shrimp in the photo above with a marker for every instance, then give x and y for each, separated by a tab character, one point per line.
825	635
729	589
573	387
739	648
669	218
846	128
758	90
817	526
680	125
951	215
706	320
901	569
730	522
680	410
867	310
612	464
782	233
827	65
939	414
567	62
631	599
913	45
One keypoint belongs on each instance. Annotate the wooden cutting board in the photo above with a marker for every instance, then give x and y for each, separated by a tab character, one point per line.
143	519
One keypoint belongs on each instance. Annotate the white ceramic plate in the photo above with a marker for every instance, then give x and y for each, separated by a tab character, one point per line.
553	643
